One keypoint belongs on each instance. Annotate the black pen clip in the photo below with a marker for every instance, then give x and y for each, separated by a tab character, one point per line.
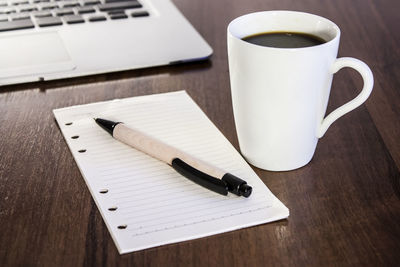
201	178
228	183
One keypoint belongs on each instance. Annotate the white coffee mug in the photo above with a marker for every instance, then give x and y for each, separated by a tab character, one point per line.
280	95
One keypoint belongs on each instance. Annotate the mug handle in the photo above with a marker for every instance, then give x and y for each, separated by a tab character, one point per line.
368	79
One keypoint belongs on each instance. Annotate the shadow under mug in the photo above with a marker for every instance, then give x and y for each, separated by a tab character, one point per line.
280	95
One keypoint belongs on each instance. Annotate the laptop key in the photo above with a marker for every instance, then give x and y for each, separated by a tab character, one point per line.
7	11
85	9
97	18
64	11
90	2
112	1
71	5
16	25
41	14
16	3
19	16
28	9
119	5
49	6
118	16
116	12
140	14
73	19
48	21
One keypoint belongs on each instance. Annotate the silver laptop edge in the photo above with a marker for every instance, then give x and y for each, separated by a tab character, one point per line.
164	37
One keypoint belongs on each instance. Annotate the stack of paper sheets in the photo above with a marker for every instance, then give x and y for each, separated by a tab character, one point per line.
145	202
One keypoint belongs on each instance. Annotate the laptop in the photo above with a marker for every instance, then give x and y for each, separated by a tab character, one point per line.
44	40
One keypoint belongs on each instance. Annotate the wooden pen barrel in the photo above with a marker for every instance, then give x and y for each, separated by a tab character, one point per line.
160	150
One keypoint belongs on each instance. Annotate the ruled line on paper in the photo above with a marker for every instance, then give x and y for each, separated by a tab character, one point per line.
162	218
125	110
194	223
127	188
186	187
168	215
192	205
176	224
174	204
123	178
163	194
149	188
110	174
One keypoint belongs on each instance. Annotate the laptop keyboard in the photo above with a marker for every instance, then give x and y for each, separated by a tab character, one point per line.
25	14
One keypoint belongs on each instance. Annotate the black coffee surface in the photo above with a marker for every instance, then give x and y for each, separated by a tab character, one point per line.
284	39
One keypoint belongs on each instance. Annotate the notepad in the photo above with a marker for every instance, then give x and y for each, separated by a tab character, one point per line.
145	202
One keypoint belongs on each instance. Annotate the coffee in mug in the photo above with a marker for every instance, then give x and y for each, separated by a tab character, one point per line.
284	39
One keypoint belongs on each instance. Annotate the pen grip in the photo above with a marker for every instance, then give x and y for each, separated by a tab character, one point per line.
160	150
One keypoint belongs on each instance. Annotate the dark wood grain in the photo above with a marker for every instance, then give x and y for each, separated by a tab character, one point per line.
344	205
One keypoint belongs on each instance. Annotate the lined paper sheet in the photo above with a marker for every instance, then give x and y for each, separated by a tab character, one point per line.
145	202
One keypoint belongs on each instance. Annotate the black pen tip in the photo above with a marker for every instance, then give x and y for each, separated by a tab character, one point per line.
107	125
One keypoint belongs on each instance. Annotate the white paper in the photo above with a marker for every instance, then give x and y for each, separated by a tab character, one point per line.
158	205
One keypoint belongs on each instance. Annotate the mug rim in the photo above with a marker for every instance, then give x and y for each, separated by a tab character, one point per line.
337	34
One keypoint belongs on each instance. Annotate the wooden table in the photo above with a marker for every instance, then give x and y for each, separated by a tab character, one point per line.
344	205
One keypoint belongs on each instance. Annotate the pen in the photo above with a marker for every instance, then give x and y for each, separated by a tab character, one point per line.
192	168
